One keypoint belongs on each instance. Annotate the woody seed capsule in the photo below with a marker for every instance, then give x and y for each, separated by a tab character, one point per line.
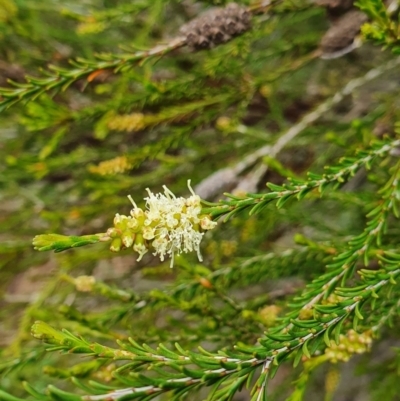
216	26
340	38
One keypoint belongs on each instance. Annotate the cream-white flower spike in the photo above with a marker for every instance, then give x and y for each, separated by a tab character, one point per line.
168	226
175	222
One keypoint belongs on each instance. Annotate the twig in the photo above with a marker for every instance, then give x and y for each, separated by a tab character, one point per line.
226	177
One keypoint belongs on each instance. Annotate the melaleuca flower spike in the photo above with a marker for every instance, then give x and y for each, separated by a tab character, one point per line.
169	225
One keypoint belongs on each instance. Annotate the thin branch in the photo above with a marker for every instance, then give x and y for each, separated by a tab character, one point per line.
226	177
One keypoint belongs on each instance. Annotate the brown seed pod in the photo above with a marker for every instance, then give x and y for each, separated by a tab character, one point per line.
340	38
217	25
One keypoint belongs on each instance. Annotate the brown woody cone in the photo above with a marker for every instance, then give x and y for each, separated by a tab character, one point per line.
216	26
342	34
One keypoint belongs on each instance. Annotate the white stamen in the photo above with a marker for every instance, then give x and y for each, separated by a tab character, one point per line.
132	201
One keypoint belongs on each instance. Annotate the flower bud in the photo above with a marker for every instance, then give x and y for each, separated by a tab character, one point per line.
116	244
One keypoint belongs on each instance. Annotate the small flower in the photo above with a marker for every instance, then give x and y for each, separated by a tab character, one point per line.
141	250
207	224
128	238
116	245
148	233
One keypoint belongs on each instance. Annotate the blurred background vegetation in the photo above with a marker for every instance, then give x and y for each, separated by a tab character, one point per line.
68	162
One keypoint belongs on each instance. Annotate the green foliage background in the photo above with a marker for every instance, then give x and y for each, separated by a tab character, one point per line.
70	158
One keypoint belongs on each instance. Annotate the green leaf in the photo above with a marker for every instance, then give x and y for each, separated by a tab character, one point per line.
282	201
8	397
314	344
275	188
61	395
327	335
337	330
298	357
305	350
358	312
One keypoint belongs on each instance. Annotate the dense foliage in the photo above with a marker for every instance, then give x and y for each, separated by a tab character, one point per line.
283	117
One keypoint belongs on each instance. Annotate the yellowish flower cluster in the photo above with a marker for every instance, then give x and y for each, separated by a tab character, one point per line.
169	225
128	122
111	167
90	26
85	283
349	344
